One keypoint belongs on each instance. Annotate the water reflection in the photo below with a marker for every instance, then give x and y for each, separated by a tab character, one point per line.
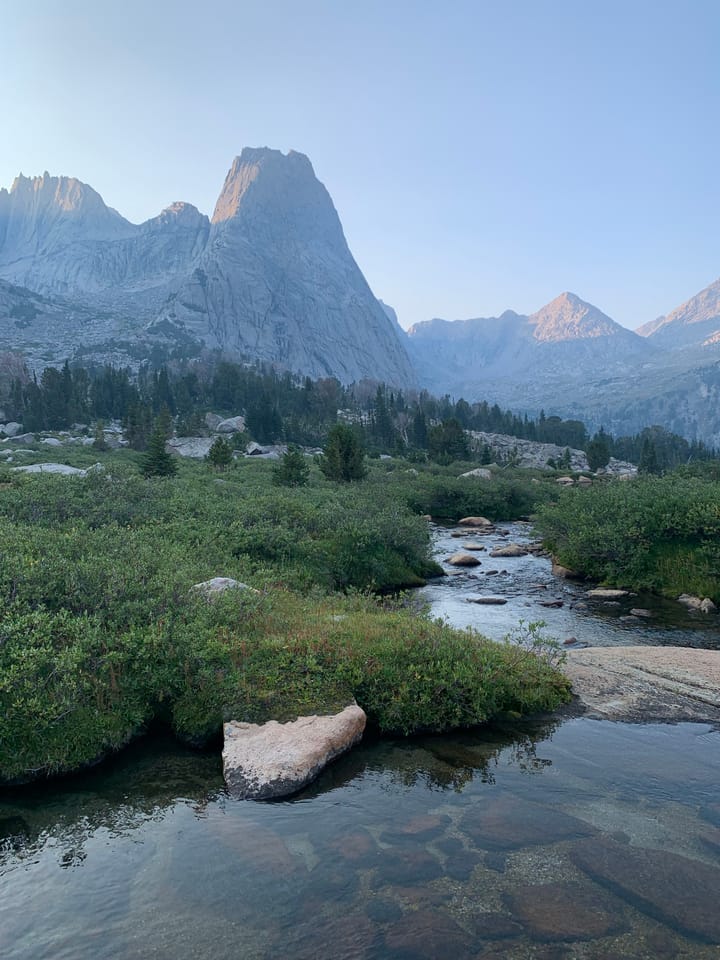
533	842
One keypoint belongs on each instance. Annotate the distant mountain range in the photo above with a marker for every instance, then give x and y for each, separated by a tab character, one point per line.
270	278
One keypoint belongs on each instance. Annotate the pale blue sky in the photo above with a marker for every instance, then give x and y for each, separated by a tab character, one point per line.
481	155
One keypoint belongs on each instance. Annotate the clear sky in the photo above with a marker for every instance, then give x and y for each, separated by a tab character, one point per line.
482	154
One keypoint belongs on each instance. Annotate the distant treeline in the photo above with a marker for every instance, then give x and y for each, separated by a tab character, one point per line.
282	407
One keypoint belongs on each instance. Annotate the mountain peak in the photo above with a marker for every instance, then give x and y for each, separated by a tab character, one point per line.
258	173
567	317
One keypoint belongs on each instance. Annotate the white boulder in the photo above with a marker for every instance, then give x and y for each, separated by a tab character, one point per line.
272	759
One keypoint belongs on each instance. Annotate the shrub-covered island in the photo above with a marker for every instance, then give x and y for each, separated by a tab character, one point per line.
101	633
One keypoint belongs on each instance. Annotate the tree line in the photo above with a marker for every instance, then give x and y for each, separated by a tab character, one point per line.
280	407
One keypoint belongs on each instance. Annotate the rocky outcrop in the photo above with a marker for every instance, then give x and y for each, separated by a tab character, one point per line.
59	469
641	684
261	761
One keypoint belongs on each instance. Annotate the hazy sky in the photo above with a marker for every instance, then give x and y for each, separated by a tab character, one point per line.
481	155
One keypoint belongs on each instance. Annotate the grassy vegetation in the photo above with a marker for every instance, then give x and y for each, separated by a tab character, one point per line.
659	533
100	633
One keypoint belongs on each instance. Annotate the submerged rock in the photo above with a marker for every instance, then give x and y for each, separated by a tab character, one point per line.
566	911
488	601
261	761
508	823
666	886
426	935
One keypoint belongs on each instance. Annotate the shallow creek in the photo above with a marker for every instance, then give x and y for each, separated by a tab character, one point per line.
543	840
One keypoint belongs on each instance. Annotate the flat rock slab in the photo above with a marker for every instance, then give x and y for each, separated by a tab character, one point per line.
664	885
262	761
641	684
606	593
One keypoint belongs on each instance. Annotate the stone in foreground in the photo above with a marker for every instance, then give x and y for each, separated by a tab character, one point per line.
262	761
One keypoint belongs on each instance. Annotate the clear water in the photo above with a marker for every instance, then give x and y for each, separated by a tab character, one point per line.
554	839
432	847
526	583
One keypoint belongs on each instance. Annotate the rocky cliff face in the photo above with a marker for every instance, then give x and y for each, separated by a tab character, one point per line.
270	278
277	281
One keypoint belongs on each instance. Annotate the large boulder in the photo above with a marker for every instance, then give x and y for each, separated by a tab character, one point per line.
475	522
195	447
463	560
11	429
262	761
231	425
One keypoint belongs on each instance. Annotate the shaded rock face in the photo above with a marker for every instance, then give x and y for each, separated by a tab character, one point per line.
261	761
271	278
683	892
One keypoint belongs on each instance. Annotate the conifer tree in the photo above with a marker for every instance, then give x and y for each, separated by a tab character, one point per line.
157	462
344	457
220	454
292	470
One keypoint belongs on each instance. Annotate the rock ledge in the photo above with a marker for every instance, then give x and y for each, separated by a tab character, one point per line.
642	684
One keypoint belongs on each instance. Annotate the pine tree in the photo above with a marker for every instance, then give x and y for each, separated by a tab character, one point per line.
292	471
157	462
220	454
344	457
649	458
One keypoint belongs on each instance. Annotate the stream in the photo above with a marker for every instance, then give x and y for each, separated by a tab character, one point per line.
548	839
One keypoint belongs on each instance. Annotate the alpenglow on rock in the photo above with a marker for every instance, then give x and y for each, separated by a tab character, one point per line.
271	278
277	280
